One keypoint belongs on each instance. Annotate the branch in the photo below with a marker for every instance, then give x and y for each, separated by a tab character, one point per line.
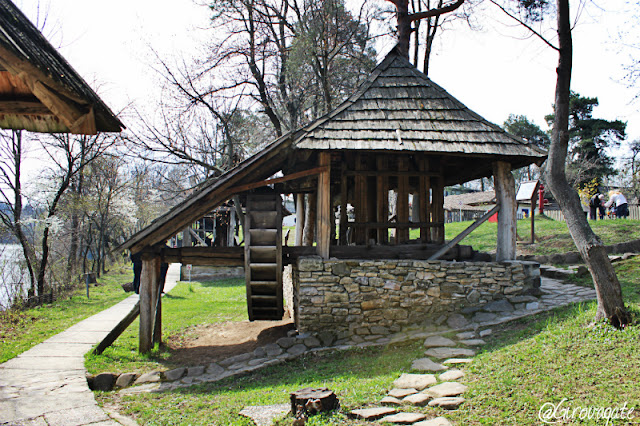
436	12
521	22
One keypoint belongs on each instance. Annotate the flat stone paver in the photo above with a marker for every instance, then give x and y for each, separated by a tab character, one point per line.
426	364
447	402
417	399
415	381
446	389
46	385
372	413
451	375
403	418
438	341
263	415
449	352
438	421
401	393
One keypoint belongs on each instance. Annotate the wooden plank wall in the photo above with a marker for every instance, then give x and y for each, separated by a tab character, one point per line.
365	181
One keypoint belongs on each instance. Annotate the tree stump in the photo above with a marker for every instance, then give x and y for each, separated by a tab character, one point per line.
311	401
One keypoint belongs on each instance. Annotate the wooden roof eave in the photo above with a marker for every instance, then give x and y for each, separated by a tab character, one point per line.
26	54
211	195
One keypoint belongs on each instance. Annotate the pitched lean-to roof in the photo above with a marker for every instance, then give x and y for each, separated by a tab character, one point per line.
39	90
397	109
480	201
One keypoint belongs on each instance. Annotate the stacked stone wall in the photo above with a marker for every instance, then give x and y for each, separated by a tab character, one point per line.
369	298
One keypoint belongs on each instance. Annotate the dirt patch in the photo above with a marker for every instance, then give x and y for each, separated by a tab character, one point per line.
207	343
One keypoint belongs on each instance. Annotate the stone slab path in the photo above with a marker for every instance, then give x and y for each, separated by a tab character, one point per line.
46	385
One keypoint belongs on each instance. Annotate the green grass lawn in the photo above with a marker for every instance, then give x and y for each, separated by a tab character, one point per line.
526	363
21	330
187	305
553	235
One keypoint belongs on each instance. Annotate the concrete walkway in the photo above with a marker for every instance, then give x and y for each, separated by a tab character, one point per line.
46	385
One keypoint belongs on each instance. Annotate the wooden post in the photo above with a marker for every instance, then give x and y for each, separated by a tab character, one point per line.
383	199
309	220
437	209
299	218
148	289
360	202
424	202
325	213
344	215
402	234
506	199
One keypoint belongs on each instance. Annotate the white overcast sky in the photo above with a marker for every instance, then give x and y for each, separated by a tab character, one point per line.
493	71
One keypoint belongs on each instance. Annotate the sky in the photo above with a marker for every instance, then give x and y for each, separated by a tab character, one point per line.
495	70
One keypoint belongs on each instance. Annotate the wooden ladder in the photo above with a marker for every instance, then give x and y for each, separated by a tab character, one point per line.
263	256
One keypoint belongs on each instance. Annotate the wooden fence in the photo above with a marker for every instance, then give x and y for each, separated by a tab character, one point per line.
634	213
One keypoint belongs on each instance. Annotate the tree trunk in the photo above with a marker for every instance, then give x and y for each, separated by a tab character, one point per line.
609	294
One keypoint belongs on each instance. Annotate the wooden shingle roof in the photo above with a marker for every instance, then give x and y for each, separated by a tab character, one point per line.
395	97
39	90
400	109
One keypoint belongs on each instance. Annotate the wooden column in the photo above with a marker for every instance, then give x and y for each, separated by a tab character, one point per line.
438	209
360	202
344	215
383	199
424	201
325	212
148	290
299	218
402	234
506	199
309	220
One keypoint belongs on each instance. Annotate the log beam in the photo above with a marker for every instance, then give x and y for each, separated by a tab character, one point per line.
148	292
506	199
325	213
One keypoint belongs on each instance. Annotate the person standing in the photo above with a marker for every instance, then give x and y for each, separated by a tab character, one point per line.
619	202
601	209
595	203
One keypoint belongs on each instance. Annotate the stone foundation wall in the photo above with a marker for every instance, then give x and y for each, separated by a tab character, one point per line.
371	298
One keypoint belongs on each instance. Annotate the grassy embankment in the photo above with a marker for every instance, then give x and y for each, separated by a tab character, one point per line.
541	359
525	364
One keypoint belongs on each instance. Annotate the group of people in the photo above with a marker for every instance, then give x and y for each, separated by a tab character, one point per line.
617	204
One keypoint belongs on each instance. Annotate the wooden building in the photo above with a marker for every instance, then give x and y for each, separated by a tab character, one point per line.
400	137
39	90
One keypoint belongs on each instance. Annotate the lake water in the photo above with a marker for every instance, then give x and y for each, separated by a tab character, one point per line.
11	274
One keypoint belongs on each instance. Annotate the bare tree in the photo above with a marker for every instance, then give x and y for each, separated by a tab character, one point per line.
12	152
69	154
609	294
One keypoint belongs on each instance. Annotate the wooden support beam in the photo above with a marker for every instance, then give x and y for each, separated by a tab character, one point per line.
118	329
437	209
148	284
402	234
258	184
309	219
79	121
360	201
344	215
464	233
34	107
299	218
506	199
424	202
382	182
325	212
